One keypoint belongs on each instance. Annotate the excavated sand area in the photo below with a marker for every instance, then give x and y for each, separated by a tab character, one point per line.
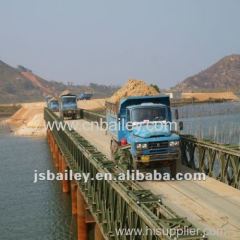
208	96
28	120
93	104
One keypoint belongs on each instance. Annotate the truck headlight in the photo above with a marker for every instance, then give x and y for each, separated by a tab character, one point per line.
173	143
144	146
140	146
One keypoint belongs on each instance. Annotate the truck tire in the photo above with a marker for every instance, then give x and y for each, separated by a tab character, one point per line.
173	168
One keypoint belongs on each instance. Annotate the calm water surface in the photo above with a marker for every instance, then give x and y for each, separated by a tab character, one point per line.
31	210
219	122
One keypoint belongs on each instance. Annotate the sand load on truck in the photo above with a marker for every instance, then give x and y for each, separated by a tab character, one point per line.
65	92
133	88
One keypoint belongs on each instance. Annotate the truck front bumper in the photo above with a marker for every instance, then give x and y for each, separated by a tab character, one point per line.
153	158
69	113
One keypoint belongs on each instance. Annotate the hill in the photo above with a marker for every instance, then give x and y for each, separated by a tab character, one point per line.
22	85
221	76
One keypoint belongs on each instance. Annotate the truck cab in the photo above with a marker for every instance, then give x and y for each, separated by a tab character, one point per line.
53	104
85	96
146	129
68	106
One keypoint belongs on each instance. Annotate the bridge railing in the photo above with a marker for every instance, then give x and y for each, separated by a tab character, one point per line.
217	161
92	116
118	204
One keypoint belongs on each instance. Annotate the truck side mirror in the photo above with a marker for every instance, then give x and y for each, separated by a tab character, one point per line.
176	114
180	125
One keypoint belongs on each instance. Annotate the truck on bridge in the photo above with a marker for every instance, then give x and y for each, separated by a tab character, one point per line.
143	138
68	105
53	104
85	96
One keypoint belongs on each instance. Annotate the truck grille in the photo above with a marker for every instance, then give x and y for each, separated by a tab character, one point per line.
157	145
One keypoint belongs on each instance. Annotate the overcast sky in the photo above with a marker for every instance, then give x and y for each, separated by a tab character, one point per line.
110	41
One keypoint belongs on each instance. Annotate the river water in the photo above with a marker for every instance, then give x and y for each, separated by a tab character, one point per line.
219	122
31	210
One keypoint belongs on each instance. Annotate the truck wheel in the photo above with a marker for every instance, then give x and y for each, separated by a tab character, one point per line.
173	168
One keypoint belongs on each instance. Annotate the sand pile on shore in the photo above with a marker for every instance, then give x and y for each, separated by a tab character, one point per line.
210	96
93	104
133	88
28	120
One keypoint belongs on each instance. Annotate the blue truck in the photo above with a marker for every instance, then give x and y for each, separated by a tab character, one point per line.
68	106
53	104
143	138
85	96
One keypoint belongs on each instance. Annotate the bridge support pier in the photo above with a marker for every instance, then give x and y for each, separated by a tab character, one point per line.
81	217
74	197
60	167
54	152
57	157
84	220
97	233
65	182
59	161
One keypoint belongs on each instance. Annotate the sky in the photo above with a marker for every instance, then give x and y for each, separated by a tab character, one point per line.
110	41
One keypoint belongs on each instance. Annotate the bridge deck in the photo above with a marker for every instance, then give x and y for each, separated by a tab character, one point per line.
208	204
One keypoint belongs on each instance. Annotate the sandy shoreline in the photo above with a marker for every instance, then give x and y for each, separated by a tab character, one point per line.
28	120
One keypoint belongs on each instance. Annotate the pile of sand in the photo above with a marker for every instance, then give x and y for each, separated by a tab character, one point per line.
65	92
210	96
28	120
92	104
133	88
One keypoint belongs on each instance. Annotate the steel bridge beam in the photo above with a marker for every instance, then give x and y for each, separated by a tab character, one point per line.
117	204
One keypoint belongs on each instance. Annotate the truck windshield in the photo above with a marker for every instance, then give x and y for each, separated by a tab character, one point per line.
150	114
69	100
54	104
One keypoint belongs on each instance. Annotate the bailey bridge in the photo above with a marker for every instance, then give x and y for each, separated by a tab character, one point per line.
160	209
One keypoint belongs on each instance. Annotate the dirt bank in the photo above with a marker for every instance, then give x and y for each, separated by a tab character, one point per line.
28	120
93	104
210	96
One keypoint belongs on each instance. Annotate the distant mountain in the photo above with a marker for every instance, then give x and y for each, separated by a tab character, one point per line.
22	85
223	75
